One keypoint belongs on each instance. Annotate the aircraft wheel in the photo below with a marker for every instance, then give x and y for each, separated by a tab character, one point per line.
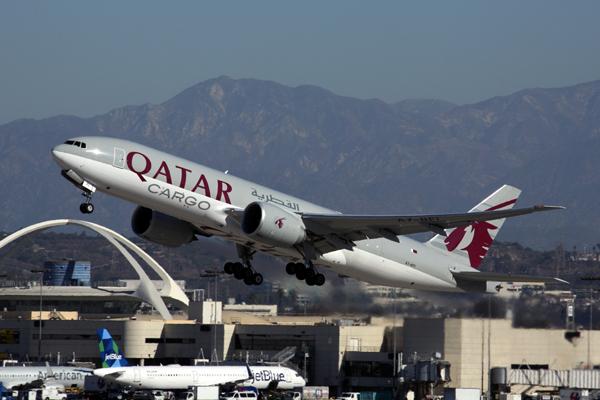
310	281
237	268
310	273
247	273
257	278
86	208
238	274
301	274
248	281
290	268
228	268
319	279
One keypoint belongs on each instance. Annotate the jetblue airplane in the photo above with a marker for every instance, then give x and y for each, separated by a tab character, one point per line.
178	377
179	200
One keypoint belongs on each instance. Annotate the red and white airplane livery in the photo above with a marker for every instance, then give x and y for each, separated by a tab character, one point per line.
179	200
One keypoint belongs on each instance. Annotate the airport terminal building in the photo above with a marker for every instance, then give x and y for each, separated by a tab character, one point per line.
344	354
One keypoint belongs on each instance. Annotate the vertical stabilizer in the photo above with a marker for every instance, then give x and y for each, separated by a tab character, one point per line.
472	242
109	350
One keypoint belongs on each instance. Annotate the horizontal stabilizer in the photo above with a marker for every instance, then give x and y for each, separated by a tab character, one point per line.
497	277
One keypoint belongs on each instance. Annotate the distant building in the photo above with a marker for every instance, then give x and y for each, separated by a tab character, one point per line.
67	273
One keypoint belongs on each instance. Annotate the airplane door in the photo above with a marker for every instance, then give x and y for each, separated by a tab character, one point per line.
195	377
119	158
137	375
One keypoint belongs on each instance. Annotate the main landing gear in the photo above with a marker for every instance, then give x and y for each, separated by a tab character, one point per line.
243	270
306	272
244	273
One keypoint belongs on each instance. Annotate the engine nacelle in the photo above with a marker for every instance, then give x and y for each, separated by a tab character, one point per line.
161	228
270	224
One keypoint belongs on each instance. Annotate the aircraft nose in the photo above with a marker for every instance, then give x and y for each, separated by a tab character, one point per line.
59	156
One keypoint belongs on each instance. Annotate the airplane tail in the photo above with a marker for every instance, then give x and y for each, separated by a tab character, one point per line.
471	243
109	351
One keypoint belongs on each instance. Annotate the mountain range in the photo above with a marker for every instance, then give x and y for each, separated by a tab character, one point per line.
349	154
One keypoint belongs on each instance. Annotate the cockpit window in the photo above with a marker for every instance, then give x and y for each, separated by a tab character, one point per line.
76	143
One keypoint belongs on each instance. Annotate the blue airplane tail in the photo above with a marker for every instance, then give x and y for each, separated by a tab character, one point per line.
109	351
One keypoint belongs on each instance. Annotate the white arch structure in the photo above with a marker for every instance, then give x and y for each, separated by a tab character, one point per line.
146	290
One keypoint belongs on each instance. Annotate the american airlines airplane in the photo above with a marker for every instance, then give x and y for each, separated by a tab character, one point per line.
179	200
177	377
15	376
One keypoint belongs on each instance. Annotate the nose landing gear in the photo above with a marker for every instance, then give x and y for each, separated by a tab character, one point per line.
88	189
87	207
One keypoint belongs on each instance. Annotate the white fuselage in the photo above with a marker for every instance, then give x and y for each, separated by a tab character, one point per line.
200	195
182	377
66	376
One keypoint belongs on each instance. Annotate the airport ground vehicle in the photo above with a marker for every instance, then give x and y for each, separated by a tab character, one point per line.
201	393
142	395
162	395
350	396
315	393
46	393
240	395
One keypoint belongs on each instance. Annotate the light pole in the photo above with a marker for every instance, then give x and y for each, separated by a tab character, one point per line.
489	348
589	346
394	350
214	273
41	272
306	356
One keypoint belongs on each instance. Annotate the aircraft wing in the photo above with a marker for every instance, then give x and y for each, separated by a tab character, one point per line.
336	231
113	375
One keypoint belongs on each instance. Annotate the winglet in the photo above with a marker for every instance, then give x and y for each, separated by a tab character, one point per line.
250	374
543	207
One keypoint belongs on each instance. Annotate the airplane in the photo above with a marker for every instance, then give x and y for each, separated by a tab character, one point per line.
17	376
116	369
179	200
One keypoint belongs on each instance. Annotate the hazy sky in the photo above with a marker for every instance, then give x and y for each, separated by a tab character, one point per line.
84	58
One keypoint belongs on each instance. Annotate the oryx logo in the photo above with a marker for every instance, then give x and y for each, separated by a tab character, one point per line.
279	222
481	239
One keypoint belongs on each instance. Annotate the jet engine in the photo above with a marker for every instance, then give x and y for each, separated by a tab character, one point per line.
161	228
268	223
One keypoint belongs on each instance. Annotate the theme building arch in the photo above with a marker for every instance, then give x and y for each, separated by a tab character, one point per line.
146	290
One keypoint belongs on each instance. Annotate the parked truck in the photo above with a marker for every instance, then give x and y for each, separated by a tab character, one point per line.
202	393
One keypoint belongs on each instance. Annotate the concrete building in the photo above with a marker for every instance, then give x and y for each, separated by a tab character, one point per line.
472	346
